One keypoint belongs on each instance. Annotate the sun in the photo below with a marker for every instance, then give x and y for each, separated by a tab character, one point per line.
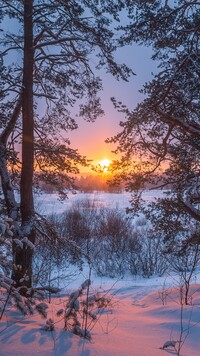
104	164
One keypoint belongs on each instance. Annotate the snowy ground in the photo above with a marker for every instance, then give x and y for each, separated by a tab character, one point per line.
48	203
136	323
142	316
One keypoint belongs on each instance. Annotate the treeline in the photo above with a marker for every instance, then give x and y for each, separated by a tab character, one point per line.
100	182
87	184
91	182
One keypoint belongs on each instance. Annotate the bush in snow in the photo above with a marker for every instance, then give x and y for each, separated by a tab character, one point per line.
9	294
186	262
114	243
6	235
82	309
111	246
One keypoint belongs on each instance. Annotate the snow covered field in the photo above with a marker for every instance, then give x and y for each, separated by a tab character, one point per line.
48	203
135	324
142	316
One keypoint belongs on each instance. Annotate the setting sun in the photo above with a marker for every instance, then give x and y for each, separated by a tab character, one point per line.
105	163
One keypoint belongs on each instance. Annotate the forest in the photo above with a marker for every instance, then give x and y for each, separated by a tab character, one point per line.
53	54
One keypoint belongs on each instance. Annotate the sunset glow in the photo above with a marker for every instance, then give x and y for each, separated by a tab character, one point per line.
105	163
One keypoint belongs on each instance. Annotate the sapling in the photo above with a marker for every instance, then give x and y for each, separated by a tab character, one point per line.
81	312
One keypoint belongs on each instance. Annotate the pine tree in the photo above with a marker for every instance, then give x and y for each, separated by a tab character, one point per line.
160	139
47	47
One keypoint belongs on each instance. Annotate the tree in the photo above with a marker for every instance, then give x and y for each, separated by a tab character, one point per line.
46	70
160	139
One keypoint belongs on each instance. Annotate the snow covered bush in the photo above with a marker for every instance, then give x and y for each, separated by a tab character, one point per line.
9	294
82	310
49	326
6	235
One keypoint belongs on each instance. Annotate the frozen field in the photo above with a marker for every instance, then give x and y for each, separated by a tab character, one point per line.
49	203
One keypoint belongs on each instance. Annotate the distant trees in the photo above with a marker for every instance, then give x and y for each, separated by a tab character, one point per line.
163	132
45	65
96	182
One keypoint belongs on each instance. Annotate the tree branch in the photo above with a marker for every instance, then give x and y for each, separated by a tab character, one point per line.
60	40
192	128
191	210
11	124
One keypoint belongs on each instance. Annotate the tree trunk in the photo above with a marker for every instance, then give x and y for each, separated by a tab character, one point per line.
23	257
27	205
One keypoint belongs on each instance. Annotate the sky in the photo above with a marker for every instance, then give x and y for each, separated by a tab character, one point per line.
89	138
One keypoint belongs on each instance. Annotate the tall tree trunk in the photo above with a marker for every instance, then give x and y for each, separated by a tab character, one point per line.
27	206
23	257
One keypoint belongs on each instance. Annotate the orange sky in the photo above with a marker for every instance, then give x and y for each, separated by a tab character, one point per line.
89	138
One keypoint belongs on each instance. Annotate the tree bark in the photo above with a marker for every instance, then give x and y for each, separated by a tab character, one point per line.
22	273
27	205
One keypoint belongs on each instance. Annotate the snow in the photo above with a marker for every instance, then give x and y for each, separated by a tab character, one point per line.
142	317
136	323
48	203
